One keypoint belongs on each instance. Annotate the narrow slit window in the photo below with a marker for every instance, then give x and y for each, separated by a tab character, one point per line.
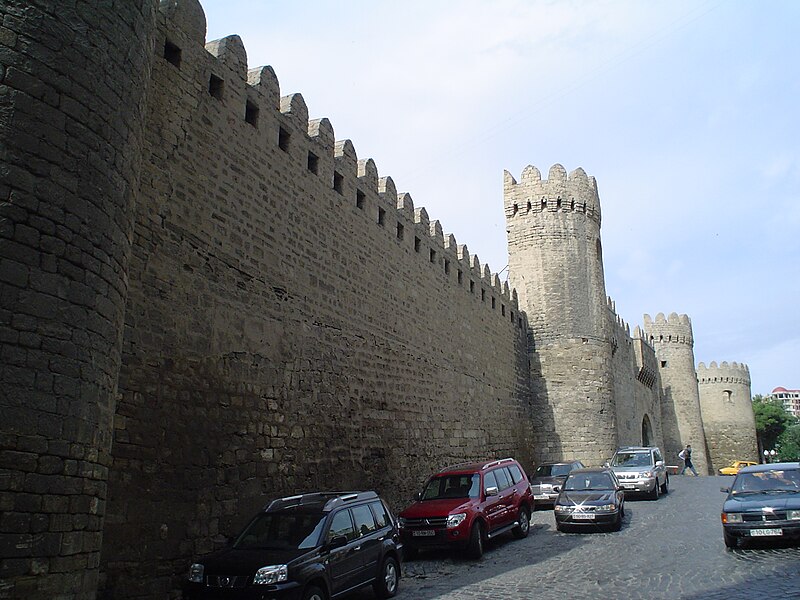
313	162
417	243
172	54
471	287
251	113
360	199
381	217
503	309
492	302
460	277
338	182
283	139
433	256
446	267
216	86
483	295
400	231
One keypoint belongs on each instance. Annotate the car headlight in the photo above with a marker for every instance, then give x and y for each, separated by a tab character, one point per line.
793	515
196	572
607	508
646	474
732	518
401	521
271	574
562	508
455	520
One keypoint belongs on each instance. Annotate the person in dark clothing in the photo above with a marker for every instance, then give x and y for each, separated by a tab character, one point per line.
686	455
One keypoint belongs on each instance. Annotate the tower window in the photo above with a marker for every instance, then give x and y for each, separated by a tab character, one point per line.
251	113
313	162
446	266
460	277
216	86
360	199
433	256
400	231
283	139
381	217
471	287
338	180
663	364
172	54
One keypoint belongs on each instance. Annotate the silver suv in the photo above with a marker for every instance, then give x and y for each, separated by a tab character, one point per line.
641	469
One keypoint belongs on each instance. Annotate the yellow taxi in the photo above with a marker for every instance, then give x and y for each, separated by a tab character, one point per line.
734	467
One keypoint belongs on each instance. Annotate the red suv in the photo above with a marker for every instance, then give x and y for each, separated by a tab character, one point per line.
467	504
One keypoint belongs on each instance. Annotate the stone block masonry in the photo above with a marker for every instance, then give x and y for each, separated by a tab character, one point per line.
72	80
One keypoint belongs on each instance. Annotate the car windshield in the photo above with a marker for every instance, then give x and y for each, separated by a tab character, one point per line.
452	486
588	481
552	471
282	530
784	480
631	459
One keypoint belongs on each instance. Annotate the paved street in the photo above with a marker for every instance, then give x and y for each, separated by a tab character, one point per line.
671	548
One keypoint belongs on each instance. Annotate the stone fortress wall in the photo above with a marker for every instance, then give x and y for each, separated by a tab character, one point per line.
728	419
293	323
200	272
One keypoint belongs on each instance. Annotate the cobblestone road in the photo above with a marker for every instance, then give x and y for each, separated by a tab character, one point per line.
671	548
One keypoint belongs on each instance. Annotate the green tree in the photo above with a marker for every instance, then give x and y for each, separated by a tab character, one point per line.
771	420
789	444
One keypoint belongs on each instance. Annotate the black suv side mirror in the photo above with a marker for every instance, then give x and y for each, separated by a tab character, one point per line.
337	541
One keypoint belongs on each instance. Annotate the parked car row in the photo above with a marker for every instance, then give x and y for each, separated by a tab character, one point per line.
321	546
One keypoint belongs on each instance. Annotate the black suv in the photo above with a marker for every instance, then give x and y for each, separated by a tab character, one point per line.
310	547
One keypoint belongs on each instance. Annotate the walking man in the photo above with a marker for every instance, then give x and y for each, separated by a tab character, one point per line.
686	455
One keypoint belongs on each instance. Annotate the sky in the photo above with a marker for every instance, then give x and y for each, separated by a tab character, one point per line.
687	113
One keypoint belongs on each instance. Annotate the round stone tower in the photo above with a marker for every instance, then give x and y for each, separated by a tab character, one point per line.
72	81
727	409
682	421
556	266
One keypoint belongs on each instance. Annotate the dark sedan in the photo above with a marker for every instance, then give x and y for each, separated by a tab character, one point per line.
763	503
548	479
590	498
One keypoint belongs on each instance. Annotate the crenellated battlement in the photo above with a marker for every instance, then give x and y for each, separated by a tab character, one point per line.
560	192
253	98
675	329
738	373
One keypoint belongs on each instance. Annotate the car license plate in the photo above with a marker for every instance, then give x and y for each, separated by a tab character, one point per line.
423	533
541	497
765	532
627	486
583	516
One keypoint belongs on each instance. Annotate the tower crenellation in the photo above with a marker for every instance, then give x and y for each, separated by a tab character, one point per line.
576	192
675	329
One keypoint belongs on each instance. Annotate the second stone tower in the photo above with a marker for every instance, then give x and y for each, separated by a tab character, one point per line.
556	266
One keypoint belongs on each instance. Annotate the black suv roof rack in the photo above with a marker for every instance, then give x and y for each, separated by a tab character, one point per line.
330	500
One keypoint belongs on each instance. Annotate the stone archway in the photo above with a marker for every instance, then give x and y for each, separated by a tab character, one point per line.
647	432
